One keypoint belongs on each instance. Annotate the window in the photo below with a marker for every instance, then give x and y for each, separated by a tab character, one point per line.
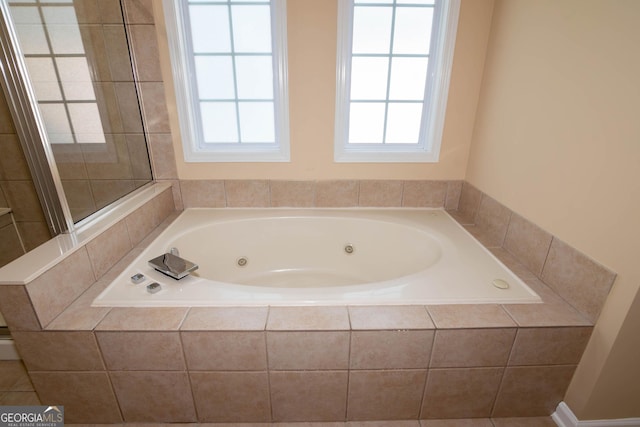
394	60
229	66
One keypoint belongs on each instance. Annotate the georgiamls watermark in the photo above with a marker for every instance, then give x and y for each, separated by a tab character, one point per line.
31	416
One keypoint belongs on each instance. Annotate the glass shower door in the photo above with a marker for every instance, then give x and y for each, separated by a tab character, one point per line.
76	58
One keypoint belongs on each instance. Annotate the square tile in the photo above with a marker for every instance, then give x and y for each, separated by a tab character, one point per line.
580	280
226	319
461	393
16	308
58	287
528	243
154	106
141	222
23	199
144	243
380	193
10	248
454	189
308	350
13	164
81	201
292	193
23	383
512	263
59	351
532	391
106	191
308	319
431	194
34	234
164	205
106	249
339	194
203	194
112	163
231	396
138	11
247	193
129	351
20	398
493	218
154	396
80	315
87	397
546	294
455	316
144	46
143	319
391	349
389	317
549	346
457	348
385	395
546	314
11	371
484	237
309	395
178	205
468	205
225	351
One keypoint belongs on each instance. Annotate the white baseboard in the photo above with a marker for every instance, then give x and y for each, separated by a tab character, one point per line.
564	417
8	350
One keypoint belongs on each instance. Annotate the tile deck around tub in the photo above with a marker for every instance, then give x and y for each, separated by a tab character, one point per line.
280	361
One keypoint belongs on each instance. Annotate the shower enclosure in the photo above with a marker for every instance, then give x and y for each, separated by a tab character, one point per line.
72	138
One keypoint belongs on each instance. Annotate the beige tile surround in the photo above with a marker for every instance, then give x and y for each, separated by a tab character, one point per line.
324	194
276	364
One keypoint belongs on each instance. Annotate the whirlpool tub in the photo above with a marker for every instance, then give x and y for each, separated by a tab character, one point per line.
318	257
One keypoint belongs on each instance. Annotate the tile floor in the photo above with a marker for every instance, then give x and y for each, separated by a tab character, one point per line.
16	389
15	386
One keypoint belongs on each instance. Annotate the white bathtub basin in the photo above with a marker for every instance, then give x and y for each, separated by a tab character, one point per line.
319	257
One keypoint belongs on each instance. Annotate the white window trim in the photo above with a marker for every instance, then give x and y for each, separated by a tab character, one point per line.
175	15
441	60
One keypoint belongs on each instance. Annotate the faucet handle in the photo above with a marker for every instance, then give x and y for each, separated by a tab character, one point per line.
173	266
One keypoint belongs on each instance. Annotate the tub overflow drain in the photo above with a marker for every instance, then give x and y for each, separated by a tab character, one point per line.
242	261
501	284
348	248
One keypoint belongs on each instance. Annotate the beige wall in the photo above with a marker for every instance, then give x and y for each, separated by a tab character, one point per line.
312	39
557	139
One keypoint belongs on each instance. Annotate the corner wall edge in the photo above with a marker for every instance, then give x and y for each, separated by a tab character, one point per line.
564	417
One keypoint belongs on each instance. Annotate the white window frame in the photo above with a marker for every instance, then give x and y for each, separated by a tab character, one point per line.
445	23
176	17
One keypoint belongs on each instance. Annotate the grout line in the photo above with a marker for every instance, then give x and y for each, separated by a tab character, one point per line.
426	376
187	372
504	237
268	371
546	258
346	405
